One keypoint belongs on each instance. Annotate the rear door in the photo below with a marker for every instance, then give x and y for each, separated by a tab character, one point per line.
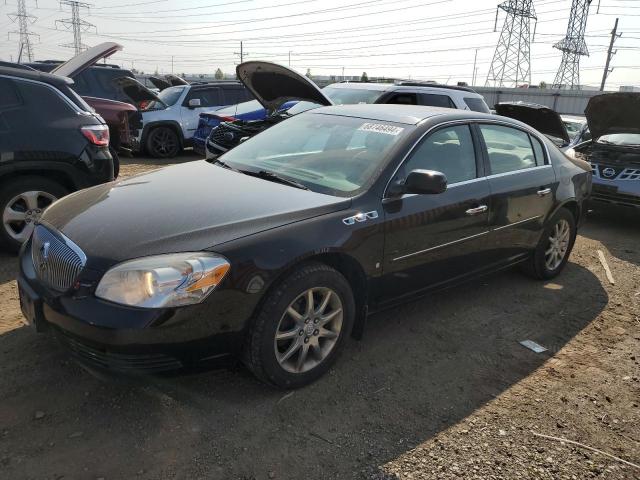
430	239
210	98
523	188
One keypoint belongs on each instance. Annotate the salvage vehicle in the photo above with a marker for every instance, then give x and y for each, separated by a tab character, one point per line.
51	143
542	118
244	112
169	124
574	125
274	84
613	150
277	250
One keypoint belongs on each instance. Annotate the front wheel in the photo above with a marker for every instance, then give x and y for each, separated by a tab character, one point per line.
301	328
163	142
554	248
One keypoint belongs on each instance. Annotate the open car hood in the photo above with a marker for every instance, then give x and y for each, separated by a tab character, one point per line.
273	85
86	59
159	83
136	91
543	119
175	80
613	113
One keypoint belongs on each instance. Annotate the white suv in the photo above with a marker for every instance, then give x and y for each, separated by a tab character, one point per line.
170	122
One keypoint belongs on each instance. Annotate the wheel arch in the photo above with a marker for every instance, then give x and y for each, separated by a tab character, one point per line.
59	175
348	267
570	204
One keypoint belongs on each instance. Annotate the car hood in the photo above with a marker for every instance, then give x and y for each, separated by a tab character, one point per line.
613	113
86	59
175	80
273	85
187	207
159	83
543	119
136	91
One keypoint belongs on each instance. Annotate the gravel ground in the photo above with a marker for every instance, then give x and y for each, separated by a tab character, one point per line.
438	389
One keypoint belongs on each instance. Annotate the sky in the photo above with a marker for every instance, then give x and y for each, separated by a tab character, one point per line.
418	39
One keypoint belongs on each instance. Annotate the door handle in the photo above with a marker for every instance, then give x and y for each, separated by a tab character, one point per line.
477	210
544	191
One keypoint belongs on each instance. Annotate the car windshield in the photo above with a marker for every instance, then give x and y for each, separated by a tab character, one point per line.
171	95
573	128
328	154
629	139
351	96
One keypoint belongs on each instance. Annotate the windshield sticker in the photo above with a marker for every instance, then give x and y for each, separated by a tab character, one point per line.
381	128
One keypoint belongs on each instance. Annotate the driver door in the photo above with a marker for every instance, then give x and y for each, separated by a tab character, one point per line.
432	239
210	99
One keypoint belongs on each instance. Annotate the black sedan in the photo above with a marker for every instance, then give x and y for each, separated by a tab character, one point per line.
277	251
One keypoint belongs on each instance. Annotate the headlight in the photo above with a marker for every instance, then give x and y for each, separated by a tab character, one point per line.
163	280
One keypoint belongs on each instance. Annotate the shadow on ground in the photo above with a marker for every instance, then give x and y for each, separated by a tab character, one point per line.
419	369
618	228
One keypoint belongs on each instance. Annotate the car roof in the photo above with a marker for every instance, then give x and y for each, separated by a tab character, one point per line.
407	114
52	79
405	86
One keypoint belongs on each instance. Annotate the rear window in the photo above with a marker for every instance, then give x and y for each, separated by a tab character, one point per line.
476	104
351	96
434	100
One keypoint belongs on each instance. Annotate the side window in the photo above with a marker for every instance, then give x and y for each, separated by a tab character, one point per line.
433	100
450	151
403	99
476	104
49	105
234	95
509	148
9	97
538	149
209	97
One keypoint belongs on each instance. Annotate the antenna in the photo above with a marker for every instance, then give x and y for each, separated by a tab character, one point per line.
573	46
23	19
511	64
75	24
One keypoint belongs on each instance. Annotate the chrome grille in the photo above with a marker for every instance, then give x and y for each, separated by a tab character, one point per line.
625	174
630	174
56	259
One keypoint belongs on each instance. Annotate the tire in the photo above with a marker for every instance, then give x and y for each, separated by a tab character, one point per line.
264	355
540	266
163	142
116	162
16	196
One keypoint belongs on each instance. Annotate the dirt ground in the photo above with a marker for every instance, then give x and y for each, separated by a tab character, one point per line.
439	388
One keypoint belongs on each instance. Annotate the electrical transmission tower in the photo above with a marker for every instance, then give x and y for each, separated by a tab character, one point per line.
76	24
573	46
25	50
511	64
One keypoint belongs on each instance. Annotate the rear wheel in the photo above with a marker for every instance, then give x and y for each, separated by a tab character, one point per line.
301	328
163	142
554	248
22	201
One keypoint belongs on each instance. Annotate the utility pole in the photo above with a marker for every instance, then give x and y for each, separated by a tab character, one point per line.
75	24
610	53
171	64
473	75
573	46
23	20
289	57
241	52
511	62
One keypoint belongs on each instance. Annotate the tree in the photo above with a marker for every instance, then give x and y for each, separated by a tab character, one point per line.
543	84
364	77
308	74
219	75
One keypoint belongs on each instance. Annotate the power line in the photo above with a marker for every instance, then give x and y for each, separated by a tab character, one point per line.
76	24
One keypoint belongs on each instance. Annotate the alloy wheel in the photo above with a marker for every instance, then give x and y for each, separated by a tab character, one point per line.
163	142
23	211
558	244
308	330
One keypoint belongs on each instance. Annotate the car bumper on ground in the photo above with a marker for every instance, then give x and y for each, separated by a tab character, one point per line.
113	337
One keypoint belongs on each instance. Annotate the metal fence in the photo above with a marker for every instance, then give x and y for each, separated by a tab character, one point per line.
570	102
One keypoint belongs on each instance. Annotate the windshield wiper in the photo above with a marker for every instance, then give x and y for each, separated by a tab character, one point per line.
215	161
274	177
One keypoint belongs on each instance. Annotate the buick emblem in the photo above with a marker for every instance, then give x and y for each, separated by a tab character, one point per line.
609	172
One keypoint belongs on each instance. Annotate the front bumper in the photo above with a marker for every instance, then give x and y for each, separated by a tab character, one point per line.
113	337
618	192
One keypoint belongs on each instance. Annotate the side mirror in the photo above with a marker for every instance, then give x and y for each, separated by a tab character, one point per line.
194	103
425	182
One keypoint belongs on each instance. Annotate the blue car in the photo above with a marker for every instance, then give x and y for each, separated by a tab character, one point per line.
251	110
